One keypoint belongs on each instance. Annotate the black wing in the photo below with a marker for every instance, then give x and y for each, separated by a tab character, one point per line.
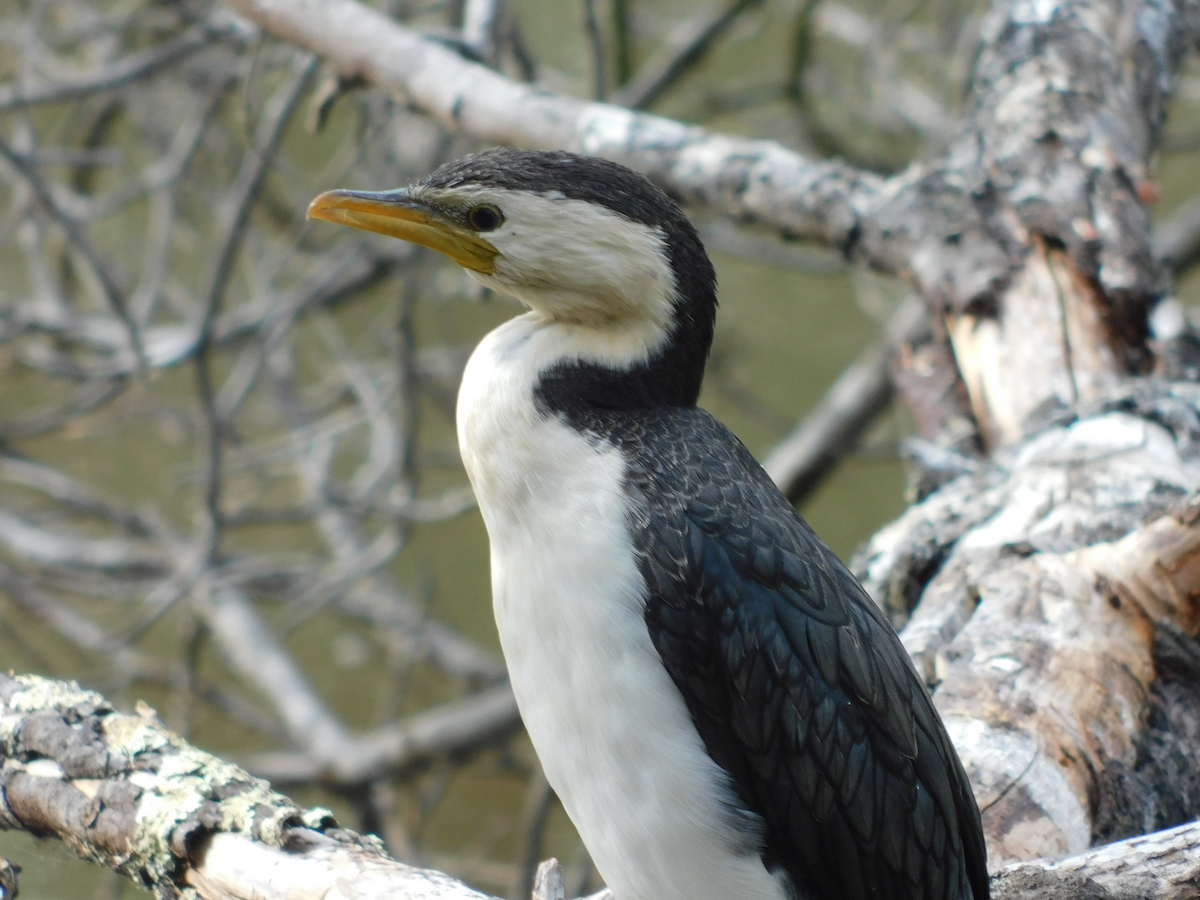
797	683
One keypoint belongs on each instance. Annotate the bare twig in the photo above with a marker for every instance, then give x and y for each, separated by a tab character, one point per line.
539	800
461	727
233	215
799	461
1177	240
547	882
113	294
722	236
480	21
127	70
50	548
89	396
253	651
596	52
682	50
622	41
71	493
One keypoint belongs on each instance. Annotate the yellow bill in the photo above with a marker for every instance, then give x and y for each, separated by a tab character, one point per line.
395	214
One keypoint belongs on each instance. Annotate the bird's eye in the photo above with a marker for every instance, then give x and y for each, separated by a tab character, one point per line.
485	218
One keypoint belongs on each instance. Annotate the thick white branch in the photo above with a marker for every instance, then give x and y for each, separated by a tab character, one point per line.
125	793
754	180
233	867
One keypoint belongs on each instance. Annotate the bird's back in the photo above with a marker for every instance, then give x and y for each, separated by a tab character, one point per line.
796	682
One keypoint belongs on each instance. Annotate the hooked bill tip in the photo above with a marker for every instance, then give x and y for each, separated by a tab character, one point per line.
321	203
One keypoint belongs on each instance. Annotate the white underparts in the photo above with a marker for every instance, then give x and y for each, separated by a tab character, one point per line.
612	731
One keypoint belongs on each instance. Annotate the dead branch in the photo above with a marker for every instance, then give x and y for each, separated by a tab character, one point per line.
126	793
129	69
1042	635
1046	576
925	225
685	47
1160	866
753	180
79	240
462	727
800	460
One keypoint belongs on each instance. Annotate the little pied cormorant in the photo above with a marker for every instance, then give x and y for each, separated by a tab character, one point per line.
723	711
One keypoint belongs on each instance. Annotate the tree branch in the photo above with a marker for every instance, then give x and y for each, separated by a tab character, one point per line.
686	46
829	431
961	230
125	793
753	180
127	70
1044	633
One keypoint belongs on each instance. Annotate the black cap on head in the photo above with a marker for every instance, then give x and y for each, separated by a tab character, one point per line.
673	376
588	178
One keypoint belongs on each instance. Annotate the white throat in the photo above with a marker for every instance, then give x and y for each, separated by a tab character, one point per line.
612	731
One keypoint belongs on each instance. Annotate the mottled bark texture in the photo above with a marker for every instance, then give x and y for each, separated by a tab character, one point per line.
1044	264
1059	596
124	792
1160	866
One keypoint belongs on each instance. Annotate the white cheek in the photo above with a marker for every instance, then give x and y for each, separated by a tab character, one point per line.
579	262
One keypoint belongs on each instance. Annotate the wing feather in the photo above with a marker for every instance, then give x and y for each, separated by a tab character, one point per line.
798	686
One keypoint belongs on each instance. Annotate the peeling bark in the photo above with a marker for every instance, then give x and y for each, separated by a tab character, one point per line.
1049	327
1057	613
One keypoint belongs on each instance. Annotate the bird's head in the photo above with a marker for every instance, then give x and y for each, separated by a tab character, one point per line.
579	240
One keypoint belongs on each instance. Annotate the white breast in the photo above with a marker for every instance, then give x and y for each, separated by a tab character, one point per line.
613	734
